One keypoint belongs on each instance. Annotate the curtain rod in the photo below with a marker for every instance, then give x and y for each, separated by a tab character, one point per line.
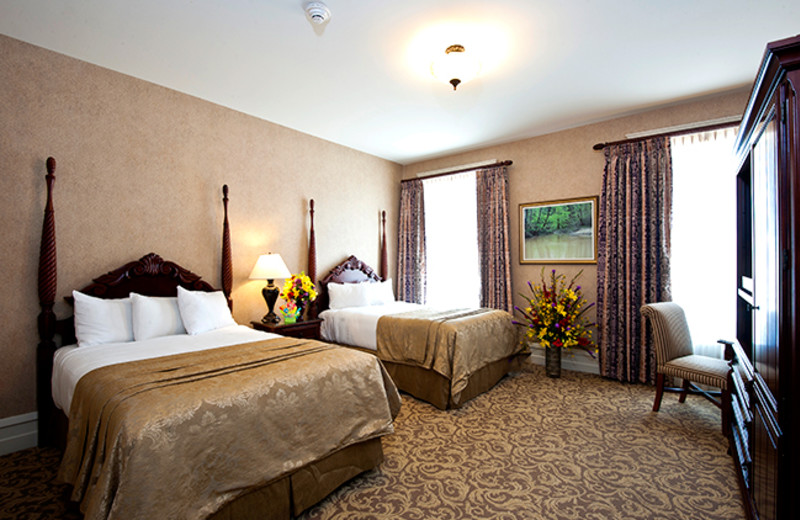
685	131
461	170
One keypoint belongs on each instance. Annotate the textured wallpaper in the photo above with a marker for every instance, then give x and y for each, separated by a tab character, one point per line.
140	169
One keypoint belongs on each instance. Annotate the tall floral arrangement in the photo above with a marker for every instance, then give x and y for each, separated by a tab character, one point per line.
555	314
299	289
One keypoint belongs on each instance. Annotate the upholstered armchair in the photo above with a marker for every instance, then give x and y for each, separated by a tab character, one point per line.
675	357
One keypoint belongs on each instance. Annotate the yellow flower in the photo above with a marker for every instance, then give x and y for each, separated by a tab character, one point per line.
299	288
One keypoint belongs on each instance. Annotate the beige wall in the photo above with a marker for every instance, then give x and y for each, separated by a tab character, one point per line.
563	165
140	169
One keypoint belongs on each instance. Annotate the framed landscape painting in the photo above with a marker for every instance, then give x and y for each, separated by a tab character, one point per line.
558	232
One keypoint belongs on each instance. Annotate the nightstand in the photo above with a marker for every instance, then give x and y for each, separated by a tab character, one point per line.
308	328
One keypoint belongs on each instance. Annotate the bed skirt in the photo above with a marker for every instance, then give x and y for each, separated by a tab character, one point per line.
291	495
434	388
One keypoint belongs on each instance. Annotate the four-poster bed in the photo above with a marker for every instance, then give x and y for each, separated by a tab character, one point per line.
443	357
252	425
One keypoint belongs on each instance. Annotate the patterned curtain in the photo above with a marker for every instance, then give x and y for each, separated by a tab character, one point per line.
411	247
493	238
633	254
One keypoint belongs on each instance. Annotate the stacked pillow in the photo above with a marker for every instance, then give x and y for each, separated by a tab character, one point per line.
203	311
137	318
99	320
380	293
343	295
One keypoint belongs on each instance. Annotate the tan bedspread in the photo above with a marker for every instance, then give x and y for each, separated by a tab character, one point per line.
453	343
178	436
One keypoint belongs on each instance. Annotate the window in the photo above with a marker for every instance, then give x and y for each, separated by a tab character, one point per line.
703	235
451	241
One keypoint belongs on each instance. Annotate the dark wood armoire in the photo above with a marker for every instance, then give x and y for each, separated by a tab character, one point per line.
766	382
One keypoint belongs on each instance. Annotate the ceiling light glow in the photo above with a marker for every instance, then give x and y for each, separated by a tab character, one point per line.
488	43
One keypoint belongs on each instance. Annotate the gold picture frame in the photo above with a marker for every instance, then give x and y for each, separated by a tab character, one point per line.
558	231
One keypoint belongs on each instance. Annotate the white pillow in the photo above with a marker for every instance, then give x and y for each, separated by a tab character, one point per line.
203	311
344	295
155	316
380	293
100	320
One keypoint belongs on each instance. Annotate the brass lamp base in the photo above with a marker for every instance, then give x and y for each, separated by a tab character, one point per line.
270	293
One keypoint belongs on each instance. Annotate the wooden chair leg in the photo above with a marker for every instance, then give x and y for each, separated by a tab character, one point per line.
685	391
659	391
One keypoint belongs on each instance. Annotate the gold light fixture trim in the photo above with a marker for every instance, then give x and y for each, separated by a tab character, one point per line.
456	66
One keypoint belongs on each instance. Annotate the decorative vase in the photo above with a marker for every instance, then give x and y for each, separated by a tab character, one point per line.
552	361
301	308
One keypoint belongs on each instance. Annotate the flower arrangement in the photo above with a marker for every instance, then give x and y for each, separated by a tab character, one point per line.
299	290
555	314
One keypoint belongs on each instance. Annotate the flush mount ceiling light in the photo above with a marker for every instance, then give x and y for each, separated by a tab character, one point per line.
318	12
456	66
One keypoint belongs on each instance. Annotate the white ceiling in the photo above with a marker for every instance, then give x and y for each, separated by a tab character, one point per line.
363	79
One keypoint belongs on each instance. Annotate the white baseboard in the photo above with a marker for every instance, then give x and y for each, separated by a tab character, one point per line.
19	432
576	360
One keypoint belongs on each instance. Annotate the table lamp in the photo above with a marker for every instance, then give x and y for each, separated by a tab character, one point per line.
269	267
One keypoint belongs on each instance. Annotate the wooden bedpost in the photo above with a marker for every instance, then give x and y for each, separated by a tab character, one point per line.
384	268
47	318
312	258
227	267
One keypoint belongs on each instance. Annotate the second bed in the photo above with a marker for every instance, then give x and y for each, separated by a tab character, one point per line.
442	356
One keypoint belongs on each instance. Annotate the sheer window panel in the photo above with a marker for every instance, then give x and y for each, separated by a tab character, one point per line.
451	241
703	234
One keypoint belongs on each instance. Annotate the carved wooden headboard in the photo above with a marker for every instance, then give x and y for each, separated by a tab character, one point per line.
351	270
151	275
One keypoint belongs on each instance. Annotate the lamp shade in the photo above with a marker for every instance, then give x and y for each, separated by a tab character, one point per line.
270	267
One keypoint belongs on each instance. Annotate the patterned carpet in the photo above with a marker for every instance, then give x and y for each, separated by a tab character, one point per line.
578	447
28	488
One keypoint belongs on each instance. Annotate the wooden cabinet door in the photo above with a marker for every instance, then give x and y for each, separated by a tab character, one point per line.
766	253
767	283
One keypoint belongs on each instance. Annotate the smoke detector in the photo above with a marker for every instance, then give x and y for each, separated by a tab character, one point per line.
318	12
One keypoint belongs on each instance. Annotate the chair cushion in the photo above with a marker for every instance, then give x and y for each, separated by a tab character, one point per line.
699	369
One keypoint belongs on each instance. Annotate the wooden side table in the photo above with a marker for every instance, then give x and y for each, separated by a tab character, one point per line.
308	328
